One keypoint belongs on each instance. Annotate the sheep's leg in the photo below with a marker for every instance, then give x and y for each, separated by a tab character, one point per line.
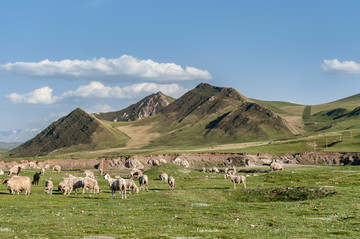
71	190
234	185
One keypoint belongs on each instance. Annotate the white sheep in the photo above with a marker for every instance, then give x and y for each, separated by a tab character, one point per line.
163	177
274	166
130	185
214	170
42	172
1	172
135	173
89	174
49	187
238	180
57	168
70	183
116	185
90	183
171	182
18	184
15	170
47	166
230	171
144	182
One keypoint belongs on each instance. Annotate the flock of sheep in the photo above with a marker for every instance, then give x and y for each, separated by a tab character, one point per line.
17	184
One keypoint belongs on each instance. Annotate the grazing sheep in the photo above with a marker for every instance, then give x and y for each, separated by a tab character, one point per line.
18	184
116	185
203	170
144	182
47	166
163	177
70	183
57	168
230	171
49	187
15	170
130	185
89	174
274	166
135	173
36	179
171	182
214	170
238	180
32	165
42	172
161	161
90	183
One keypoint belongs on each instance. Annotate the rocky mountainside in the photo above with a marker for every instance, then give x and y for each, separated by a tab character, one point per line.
77	128
146	107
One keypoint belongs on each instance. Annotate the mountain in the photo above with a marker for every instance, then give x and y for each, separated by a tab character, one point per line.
146	107
78	130
210	115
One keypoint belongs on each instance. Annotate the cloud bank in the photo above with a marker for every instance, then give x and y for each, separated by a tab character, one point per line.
39	96
116	69
345	67
97	90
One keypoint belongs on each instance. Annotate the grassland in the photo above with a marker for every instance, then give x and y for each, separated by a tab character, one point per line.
203	205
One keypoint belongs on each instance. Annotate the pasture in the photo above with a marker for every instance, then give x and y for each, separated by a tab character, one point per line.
299	202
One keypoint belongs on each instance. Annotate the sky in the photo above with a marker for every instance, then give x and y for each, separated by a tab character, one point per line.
103	55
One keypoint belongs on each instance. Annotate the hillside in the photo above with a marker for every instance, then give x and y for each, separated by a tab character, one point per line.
78	130
309	119
146	107
211	115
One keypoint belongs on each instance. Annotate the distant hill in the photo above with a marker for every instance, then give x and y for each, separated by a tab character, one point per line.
4	146
210	114
78	129
146	107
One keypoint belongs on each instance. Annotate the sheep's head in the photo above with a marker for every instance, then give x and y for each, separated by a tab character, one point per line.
5	180
107	177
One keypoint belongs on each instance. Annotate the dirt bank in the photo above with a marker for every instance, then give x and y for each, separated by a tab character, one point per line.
200	160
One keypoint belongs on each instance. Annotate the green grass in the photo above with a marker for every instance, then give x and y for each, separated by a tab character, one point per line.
202	205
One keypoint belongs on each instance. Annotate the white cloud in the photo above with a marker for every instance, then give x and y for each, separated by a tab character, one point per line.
98	90
39	96
335	66
100	108
116	69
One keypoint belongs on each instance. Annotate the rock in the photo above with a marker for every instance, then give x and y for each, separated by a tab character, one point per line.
133	163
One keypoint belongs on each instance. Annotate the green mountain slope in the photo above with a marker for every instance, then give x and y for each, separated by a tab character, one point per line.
146	107
76	131
209	114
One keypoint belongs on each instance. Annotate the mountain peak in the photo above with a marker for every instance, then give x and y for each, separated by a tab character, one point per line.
144	108
76	128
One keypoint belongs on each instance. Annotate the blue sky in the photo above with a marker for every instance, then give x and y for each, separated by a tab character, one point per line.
102	55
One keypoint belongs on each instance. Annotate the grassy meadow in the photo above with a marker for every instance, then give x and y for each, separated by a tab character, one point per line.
299	202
